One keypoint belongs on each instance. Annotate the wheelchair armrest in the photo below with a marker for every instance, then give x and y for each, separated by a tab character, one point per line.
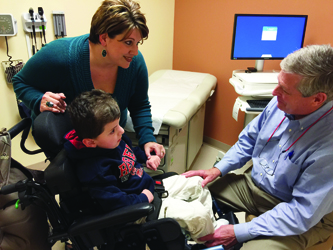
118	217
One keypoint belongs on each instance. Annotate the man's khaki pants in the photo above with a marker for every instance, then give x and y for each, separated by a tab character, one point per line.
240	194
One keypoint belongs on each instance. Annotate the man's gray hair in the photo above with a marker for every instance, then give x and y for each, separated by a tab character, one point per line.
315	64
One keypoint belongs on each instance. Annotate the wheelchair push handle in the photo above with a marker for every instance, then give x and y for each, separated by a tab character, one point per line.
12	188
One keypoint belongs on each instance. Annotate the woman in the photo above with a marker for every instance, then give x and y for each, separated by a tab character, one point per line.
107	59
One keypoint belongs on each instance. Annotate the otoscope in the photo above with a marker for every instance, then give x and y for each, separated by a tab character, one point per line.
31	12
41	13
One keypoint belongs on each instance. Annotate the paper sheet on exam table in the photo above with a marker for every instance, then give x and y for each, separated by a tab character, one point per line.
167	92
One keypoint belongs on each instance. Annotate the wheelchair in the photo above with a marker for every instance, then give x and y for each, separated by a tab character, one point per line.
76	217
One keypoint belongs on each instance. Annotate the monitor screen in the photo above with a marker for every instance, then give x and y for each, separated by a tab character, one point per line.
262	37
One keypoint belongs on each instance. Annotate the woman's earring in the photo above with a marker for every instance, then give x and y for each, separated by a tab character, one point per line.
104	53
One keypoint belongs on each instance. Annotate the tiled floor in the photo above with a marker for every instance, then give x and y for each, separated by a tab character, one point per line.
204	160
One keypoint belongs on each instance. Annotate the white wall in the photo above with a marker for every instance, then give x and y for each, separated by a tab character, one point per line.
157	50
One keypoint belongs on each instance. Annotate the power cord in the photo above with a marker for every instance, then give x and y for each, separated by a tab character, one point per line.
11	62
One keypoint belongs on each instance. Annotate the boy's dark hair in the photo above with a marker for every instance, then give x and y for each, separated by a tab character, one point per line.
91	111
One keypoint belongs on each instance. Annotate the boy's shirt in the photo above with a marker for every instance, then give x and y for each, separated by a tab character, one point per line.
114	177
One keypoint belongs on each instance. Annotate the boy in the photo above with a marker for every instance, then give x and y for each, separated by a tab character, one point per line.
109	166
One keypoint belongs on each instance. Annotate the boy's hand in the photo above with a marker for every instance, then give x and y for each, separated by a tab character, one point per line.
149	195
153	162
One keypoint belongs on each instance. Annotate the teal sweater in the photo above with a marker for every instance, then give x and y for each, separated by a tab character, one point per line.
63	66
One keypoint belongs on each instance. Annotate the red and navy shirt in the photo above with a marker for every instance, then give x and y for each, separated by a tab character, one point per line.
115	177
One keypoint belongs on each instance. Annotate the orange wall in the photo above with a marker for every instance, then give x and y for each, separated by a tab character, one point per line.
202	43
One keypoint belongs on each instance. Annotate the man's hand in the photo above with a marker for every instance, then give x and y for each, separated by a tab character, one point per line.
153	146
224	235
153	162
208	175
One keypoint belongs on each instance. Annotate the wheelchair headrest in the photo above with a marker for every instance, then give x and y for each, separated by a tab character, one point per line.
49	130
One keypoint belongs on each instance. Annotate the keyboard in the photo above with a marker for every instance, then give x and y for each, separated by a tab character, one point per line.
257	105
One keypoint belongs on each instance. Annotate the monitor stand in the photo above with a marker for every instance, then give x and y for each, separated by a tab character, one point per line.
254	84
259	65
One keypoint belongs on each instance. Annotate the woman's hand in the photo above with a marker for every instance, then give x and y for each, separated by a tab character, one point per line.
53	102
208	175
153	146
153	162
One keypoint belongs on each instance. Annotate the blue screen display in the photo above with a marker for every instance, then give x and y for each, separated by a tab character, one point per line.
267	36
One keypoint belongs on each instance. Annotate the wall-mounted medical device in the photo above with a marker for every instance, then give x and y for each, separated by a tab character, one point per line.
8	25
59	24
34	22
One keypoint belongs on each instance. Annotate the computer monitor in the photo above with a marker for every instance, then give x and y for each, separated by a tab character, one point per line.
266	37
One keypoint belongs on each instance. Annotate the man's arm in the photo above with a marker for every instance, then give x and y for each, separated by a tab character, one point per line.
224	235
311	201
236	157
208	175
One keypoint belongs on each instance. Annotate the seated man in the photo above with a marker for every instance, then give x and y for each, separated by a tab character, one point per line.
290	186
108	165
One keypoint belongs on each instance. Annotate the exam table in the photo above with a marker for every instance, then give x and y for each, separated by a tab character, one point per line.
178	100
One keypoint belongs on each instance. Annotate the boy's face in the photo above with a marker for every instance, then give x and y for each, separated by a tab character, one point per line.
110	137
